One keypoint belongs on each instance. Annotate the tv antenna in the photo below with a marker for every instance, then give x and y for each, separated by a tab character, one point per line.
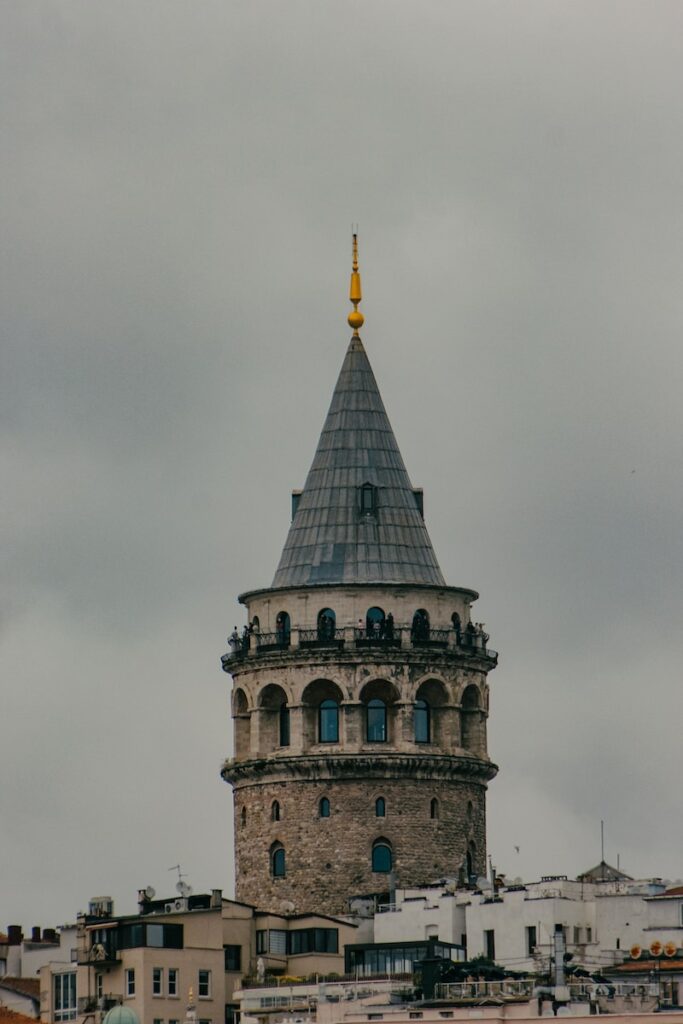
182	887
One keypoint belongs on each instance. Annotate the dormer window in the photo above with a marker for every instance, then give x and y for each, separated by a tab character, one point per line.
368	499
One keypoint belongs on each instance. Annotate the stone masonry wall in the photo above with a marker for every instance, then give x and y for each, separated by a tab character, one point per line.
329	859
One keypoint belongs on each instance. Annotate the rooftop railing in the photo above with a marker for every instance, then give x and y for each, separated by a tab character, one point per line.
321	637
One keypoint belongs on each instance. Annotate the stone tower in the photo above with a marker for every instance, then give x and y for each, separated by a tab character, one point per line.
360	698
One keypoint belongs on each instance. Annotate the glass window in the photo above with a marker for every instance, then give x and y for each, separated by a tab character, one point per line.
376	721
421	721
261	941
327	621
531	940
275	811
157	981
99	985
64	991
158	1020
130	981
328	726
278	862
380	807
375	623
381	857
284	725
204	984
324	808
233	958
434	808
278	942
155	935
173	981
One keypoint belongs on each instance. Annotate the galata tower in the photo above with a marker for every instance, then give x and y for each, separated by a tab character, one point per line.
360	692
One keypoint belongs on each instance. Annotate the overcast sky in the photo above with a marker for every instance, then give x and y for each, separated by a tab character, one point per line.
179	181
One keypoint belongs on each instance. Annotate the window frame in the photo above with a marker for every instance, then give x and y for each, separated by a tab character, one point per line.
284	728
206	984
232	954
172	983
380	807
157	981
326	708
422	721
376	721
377	846
278	862
129	982
324	807
64	996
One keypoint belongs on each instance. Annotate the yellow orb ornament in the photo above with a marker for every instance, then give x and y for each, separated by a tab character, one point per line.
356	319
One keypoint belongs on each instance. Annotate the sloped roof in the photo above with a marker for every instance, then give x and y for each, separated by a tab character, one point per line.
603	872
329	540
23	986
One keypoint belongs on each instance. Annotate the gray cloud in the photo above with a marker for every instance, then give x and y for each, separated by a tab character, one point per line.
179	183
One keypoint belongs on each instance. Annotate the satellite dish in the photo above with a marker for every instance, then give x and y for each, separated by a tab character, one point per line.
183	888
150	893
670	949
483	882
636	951
656	948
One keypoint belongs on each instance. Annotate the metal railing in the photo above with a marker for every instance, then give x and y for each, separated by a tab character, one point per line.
507	988
380	637
324	636
97	954
271	641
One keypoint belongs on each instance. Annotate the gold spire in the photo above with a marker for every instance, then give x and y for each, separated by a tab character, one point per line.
356	318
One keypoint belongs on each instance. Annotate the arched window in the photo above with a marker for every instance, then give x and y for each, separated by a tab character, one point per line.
375	623
275	811
328	722
324	807
420	626
283	627
470	810
376	720
255	624
434	808
469	859
457	627
283	722
277	861
327	621
422	722
382	860
380	807
243	816
367	499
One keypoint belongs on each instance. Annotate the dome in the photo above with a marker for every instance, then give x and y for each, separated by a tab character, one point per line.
121	1015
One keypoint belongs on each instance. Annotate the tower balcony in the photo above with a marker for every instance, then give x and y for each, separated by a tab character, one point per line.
460	643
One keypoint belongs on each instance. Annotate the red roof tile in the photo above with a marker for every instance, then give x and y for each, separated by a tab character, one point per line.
25	986
12	1017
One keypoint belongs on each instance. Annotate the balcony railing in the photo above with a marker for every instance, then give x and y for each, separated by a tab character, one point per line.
381	637
507	988
278	641
97	956
321	637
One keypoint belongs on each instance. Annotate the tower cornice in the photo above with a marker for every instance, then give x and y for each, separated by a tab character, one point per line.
391	587
337	767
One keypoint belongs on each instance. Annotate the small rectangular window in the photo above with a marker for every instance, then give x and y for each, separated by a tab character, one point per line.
157	981
577	935
99	985
490	943
172	981
158	1020
589	934
130	981
531	940
278	942
204	984
155	935
261	941
233	958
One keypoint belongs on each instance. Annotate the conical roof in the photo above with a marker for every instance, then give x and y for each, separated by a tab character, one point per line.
331	538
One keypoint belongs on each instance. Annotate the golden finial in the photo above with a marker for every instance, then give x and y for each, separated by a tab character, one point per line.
356	318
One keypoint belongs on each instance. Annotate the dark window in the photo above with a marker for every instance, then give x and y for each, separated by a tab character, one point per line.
531	939
243	816
420	626
380	807
204	984
284	725
313	940
381	857
327	621
162	936
233	958
368	499
469	864
277	941
376	713
375	623
328	723
157	981
283	627
421	721
434	808
275	811
324	808
261	941
490	944
278	862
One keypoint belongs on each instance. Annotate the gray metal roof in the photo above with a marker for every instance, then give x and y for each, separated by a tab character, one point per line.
330	540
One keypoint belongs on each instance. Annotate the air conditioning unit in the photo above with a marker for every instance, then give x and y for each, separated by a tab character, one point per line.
176	905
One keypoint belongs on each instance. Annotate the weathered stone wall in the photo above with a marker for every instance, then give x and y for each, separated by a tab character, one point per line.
329	859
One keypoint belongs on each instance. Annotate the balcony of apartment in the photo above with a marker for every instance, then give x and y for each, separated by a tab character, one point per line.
88	1005
97	955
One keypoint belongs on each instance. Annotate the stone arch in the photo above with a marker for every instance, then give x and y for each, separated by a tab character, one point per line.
440	719
278	864
326	624
419	629
317	692
273	717
242	724
434	809
379	699
382	856
471	719
275	811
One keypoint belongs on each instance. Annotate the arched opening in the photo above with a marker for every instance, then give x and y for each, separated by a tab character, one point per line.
380	807
376	721
434	809
420	625
470	860
321	707
327	621
422	721
278	866
379	698
328	722
242	724
457	627
434	723
275	811
273	718
255	624
283	628
324	807
470	810
382	857
375	622
243	817
471	717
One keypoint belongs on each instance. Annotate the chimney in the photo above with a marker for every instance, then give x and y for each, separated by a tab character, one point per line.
14	935
216	897
50	935
35	934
